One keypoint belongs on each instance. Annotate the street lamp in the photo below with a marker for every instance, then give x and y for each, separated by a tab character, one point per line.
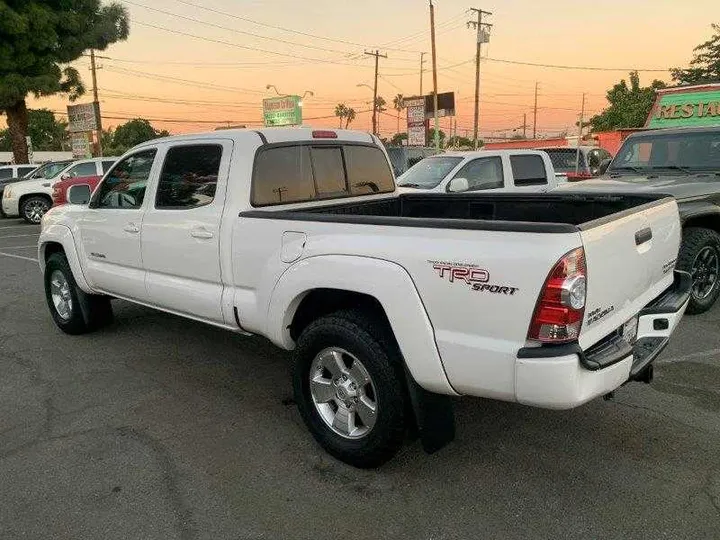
306	93
269	86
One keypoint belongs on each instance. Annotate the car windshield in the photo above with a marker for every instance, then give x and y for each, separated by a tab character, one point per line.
563	159
49	170
674	153
428	173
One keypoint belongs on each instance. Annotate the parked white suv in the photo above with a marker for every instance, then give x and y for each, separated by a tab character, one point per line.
393	303
484	170
16	171
32	198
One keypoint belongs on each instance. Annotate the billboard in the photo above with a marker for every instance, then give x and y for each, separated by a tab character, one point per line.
415	107
446	105
83	117
81	145
282	111
686	109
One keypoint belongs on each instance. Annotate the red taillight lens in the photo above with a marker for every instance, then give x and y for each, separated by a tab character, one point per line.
324	134
576	177
561	306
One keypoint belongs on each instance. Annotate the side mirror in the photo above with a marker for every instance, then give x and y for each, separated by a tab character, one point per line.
65	176
458	185
604	164
79	194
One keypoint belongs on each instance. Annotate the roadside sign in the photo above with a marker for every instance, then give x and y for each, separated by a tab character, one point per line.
83	117
446	105
686	109
415	107
282	111
81	145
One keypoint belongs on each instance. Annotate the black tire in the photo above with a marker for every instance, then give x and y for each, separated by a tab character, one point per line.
361	336
695	241
34	208
87	312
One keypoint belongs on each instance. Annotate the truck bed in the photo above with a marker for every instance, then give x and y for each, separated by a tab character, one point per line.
550	213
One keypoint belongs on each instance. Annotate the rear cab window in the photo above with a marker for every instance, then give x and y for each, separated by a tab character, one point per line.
529	170
310	171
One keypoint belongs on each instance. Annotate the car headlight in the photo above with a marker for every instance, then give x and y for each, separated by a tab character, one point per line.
7	194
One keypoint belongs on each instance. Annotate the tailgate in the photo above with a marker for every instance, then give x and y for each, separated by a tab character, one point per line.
630	260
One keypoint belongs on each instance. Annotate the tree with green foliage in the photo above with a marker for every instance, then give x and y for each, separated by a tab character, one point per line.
341	111
460	142
399	105
38	38
131	133
705	65
629	105
45	131
398	139
350	115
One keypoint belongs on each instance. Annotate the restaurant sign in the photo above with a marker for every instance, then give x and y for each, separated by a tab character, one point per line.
282	111
686	110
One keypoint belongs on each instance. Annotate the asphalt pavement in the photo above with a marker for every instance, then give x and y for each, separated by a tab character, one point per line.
161	428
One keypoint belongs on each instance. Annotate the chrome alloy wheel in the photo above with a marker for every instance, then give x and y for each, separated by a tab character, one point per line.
343	393
60	293
35	210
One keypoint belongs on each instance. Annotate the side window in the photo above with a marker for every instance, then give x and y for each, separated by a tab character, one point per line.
106	164
594	159
22	171
528	170
484	173
6	173
329	171
189	176
282	175
368	170
83	169
124	186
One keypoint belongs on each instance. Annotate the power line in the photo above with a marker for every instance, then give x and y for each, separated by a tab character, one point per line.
284	29
585	68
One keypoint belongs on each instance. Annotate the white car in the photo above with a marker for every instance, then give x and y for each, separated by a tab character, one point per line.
484	170
392	303
15	171
31	198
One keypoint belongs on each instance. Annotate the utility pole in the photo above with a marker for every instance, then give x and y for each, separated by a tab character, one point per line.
535	113
434	65
422	69
377	56
580	130
96	102
479	26
524	124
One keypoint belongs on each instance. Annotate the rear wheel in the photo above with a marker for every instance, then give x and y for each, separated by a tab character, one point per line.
350	390
73	310
700	256
34	208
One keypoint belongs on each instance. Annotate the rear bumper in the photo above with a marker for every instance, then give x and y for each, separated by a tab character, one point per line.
565	376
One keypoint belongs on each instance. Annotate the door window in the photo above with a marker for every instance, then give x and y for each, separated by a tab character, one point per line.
106	164
124	186
484	173
83	169
528	170
189	176
6	173
22	171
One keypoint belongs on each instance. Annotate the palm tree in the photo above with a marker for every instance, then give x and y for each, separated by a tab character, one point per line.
398	105
349	116
341	111
380	107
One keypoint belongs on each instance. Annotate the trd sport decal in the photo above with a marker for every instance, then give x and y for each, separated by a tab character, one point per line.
472	275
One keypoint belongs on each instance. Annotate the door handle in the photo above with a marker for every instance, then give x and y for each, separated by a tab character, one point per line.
201	233
131	228
643	235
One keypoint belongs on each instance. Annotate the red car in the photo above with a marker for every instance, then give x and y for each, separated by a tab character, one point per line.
60	189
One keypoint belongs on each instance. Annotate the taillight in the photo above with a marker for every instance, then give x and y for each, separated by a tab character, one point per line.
561	306
577	176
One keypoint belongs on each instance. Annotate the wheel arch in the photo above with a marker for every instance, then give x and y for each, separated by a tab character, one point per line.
58	239
317	285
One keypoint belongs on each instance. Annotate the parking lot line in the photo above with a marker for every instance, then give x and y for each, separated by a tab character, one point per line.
14	227
13	256
19	247
20	235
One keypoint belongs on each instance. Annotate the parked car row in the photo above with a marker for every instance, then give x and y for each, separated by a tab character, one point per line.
30	197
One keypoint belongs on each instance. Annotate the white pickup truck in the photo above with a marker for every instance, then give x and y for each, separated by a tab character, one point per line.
391	303
483	170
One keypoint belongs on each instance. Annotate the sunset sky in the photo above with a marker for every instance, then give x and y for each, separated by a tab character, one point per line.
198	83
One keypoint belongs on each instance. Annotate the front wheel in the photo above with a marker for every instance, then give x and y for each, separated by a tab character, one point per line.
34	208
350	389
700	256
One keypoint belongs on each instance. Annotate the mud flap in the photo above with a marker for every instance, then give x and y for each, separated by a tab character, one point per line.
434	416
96	310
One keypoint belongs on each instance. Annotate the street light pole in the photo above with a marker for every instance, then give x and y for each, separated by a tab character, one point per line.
434	65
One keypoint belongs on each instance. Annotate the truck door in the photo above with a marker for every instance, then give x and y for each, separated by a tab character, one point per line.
181	229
